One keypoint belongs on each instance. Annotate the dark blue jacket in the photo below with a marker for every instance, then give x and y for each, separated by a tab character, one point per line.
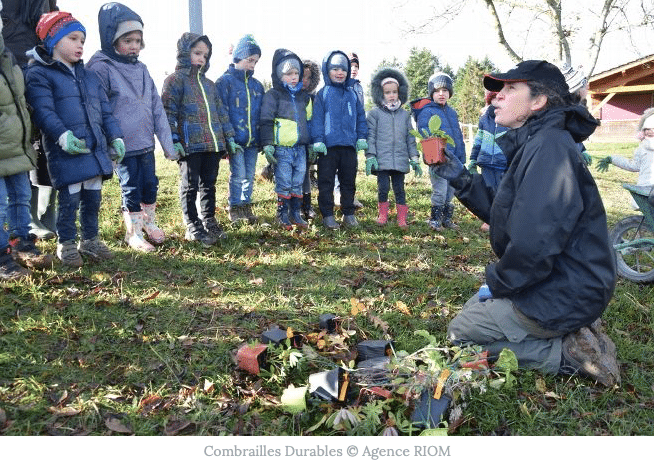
338	116
424	109
485	150
241	95
284	111
63	101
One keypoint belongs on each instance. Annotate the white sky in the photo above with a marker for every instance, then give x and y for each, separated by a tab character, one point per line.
372	29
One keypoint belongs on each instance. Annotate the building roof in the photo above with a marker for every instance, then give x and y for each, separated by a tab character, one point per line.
627	77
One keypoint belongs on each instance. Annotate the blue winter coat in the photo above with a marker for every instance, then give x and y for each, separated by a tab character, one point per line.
338	116
424	109
283	111
485	150
63	101
242	94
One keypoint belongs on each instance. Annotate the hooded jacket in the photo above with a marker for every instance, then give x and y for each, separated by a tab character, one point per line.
19	18
62	100
389	140
284	111
547	223
241	95
17	154
134	98
423	109
195	111
338	116
485	150
314	81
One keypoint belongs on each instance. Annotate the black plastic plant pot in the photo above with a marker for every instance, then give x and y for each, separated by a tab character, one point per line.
329	385
428	411
327	321
369	349
252	358
278	337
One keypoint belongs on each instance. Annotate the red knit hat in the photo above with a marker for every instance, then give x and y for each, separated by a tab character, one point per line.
54	26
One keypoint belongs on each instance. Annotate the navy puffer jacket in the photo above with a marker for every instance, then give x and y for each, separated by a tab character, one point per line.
64	101
242	95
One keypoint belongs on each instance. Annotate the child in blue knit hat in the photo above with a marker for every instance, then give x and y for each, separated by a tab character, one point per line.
241	95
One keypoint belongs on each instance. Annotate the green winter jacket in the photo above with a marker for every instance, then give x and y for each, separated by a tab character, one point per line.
16	152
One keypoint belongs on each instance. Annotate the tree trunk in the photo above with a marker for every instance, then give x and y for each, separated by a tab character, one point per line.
490	4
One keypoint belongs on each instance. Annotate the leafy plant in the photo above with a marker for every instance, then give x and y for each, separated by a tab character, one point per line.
434	131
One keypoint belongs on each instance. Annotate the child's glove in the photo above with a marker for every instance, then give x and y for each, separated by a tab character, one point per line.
371	165
117	152
269	152
312	156
179	150
319	147
472	167
234	148
484	293
604	163
362	145
416	167
69	143
587	158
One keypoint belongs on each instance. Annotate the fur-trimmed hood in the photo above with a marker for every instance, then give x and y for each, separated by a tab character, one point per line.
376	88
315	75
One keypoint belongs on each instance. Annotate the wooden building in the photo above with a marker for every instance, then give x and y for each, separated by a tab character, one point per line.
619	96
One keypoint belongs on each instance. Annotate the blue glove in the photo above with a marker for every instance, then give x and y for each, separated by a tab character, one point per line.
234	148
118	145
362	145
269	152
179	149
319	147
371	165
451	168
69	143
484	293
416	167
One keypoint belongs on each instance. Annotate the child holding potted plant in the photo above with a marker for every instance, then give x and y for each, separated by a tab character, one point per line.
440	90
391	147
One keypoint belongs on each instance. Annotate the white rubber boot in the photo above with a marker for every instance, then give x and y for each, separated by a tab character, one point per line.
155	234
134	232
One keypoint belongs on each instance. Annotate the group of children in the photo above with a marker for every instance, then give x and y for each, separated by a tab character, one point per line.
103	117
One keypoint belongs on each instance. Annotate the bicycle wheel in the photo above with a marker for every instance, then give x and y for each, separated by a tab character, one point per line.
636	261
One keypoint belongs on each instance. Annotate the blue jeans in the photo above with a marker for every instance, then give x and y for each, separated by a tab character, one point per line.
138	181
15	194
241	177
492	177
88	202
441	192
289	170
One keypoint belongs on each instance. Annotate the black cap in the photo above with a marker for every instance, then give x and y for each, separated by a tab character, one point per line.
540	71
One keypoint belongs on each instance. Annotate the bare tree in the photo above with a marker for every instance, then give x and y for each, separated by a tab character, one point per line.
549	28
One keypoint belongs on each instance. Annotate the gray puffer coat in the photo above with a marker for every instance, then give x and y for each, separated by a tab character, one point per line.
389	139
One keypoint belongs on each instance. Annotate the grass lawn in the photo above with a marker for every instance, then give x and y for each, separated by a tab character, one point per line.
146	343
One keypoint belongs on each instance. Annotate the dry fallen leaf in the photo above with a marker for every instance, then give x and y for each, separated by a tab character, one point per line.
67	411
173	427
402	308
115	424
151	296
256	281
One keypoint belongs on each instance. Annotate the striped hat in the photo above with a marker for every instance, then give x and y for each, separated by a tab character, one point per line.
54	26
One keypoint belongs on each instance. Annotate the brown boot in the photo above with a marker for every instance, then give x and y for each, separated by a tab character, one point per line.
592	355
28	255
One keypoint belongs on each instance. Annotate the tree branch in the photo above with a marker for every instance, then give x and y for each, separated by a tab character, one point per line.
490	4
